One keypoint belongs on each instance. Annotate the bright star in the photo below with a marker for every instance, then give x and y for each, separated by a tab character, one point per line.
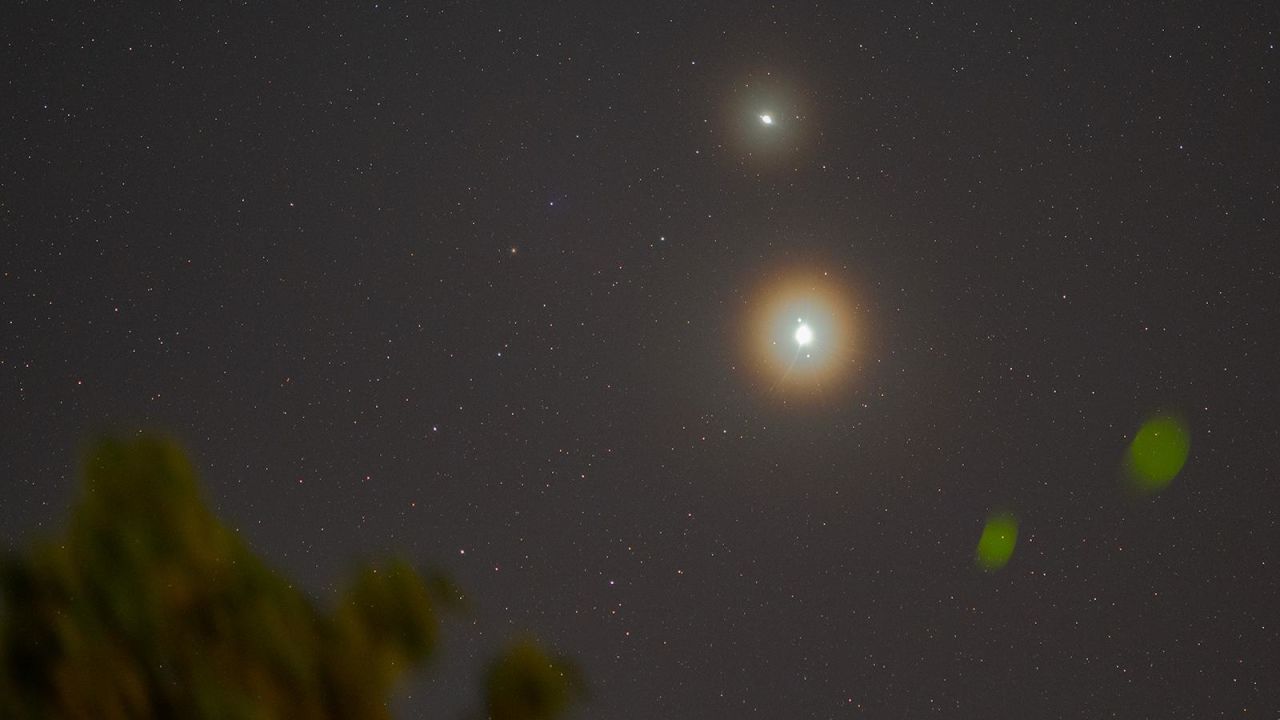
804	335
801	330
766	119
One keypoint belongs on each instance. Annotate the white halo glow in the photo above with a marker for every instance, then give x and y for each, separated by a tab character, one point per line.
804	335
766	119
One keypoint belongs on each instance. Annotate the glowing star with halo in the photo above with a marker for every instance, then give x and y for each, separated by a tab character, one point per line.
804	334
766	119
801	333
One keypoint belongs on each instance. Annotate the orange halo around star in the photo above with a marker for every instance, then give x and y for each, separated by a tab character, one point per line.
801	334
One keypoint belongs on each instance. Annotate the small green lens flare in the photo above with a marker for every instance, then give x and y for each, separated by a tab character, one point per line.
1157	453
999	537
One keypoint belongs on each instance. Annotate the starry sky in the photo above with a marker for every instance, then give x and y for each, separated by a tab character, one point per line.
474	283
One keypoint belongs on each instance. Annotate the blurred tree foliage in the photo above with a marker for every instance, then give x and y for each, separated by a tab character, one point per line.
150	607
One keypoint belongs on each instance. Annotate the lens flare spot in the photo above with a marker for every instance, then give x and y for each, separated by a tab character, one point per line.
999	537
1157	453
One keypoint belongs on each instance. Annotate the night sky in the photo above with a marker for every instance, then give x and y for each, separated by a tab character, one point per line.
482	285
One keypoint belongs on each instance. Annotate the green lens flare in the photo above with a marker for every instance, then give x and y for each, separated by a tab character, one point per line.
1157	453
995	547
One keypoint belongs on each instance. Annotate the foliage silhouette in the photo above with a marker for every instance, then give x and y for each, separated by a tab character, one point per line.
150	607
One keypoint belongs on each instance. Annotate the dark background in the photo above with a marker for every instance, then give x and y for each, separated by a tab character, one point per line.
284	234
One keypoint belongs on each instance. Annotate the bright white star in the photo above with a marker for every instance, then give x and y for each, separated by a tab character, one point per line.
804	335
766	119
